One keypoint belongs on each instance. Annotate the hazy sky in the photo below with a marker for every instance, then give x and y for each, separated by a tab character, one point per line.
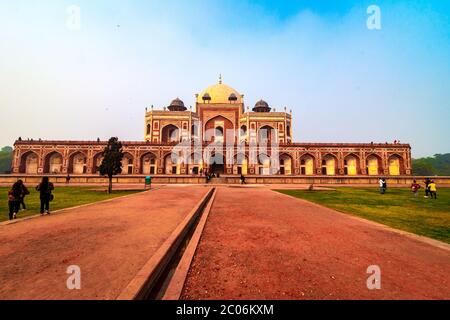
344	82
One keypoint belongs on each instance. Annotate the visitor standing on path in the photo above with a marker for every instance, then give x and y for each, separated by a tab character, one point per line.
45	189
432	189
23	194
242	179
14	200
415	188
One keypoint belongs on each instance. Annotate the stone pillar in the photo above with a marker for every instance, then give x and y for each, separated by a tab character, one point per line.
362	162
319	163
65	155
89	161
15	161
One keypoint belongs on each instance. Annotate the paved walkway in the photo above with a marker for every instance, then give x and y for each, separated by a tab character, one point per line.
259	244
110	242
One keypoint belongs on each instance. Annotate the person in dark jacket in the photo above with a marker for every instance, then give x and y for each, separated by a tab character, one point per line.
14	200
45	189
24	193
427	190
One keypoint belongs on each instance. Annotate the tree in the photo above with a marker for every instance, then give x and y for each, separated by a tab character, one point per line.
439	165
423	167
112	160
6	155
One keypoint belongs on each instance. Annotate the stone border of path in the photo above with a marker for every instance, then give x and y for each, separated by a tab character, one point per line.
176	284
61	211
149	275
429	241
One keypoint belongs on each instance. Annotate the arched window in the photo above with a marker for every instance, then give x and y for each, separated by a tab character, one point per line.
307	165
351	165
77	163
264	164
395	165
373	165
170	134
148	164
53	163
241	164
172	163
266	135
195	164
285	164
148	128
329	165
29	163
127	164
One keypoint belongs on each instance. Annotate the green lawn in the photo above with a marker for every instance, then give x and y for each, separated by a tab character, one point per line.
65	197
397	208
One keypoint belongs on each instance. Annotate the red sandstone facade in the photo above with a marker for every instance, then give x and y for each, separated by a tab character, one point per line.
219	111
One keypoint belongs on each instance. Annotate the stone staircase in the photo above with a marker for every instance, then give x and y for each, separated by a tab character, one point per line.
218	181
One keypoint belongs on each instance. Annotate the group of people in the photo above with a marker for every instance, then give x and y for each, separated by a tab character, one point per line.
383	185
18	192
211	175
430	188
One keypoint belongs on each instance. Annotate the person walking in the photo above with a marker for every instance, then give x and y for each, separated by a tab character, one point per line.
432	189
415	188
45	189
382	184
243	179
14	200
68	179
24	193
427	182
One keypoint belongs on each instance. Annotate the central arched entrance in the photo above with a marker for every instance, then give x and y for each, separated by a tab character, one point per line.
216	164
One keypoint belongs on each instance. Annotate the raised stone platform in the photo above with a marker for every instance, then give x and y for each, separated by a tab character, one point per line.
226	179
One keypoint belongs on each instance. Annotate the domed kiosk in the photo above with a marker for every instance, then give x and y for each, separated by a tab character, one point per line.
177	105
261	106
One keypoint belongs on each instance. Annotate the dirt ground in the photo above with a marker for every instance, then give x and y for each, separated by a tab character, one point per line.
259	244
109	241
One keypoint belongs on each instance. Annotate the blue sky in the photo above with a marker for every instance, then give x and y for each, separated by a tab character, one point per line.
344	82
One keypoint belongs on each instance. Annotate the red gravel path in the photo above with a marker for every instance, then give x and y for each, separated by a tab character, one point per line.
110	242
259	244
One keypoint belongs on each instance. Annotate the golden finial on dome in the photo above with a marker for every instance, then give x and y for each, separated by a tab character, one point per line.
220	78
